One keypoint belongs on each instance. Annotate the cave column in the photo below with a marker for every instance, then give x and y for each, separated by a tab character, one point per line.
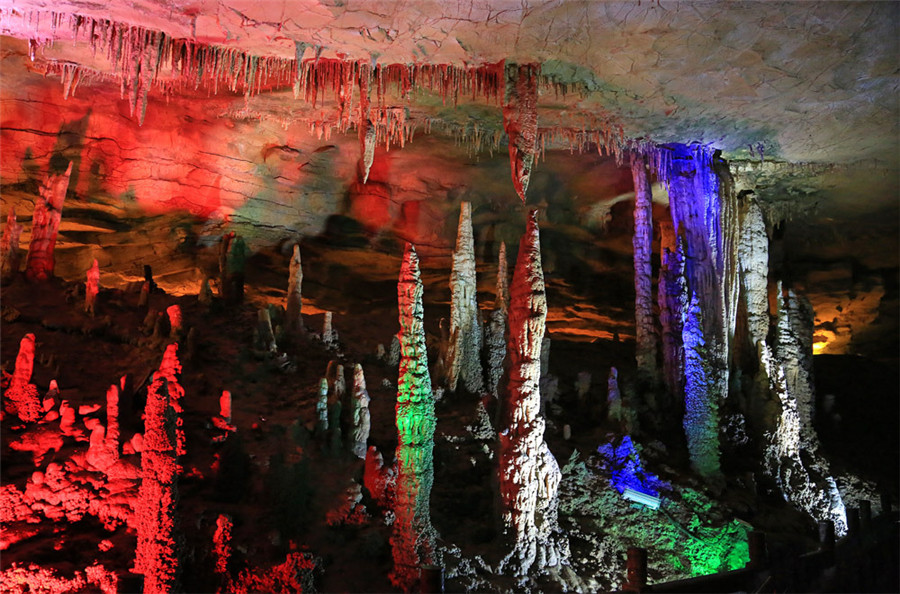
642	241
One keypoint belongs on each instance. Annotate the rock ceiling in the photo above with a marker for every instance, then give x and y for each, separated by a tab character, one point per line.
797	81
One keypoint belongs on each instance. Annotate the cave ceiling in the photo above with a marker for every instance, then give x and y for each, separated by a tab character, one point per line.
796	81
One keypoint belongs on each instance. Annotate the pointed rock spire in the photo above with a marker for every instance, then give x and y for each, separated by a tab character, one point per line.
520	121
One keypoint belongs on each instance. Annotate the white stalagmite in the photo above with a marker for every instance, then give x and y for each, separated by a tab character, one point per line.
804	480
322	407
265	335
294	304
753	263
329	334
362	422
642	241
464	350
529	474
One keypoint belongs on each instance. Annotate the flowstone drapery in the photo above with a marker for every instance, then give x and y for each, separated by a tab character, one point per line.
413	536
529	474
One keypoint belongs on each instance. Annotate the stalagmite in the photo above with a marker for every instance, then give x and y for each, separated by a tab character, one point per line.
45	226
10	252
176	322
520	121
322	408
222	543
169	369
112	421
225	406
361	419
464	349
205	296
791	455
91	289
614	410
529	474
413	539
753	262
156	554
21	397
265	335
642	241
294	304
701	406
495	343
329	334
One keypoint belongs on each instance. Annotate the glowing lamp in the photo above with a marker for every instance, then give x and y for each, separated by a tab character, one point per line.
642	498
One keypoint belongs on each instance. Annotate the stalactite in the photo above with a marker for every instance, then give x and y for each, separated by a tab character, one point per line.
642	242
529	474
701	404
156	556
9	248
294	304
520	121
45	226
464	350
91	289
362	422
413	539
21	397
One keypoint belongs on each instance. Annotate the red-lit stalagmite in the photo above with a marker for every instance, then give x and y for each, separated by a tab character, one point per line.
294	304
156	556
413	537
112	421
10	253
642	242
92	289
169	369
529	474
21	397
464	349
45	226
520	122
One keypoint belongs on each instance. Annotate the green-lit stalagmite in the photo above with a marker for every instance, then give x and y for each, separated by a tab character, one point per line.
413	538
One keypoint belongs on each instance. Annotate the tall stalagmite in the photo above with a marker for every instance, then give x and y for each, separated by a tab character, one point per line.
464	350
362	422
529	474
701	408
92	289
495	333
45	226
294	305
156	554
413	537
643	281
672	298
21	398
520	121
753	263
9	248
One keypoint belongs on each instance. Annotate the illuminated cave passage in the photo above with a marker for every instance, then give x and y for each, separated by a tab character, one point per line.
319	296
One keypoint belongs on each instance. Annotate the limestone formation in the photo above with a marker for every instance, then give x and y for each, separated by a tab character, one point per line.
233	256
614	410
642	241
10	252
495	344
222	543
520	121
176	321
329	334
322	408
672	298
21	397
413	538
362	422
205	296
753	263
91	289
701	404
265	335
582	385
294	303
170	369
156	554
225	406
529	474
45	226
113	445
501	298
464	348
394	354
